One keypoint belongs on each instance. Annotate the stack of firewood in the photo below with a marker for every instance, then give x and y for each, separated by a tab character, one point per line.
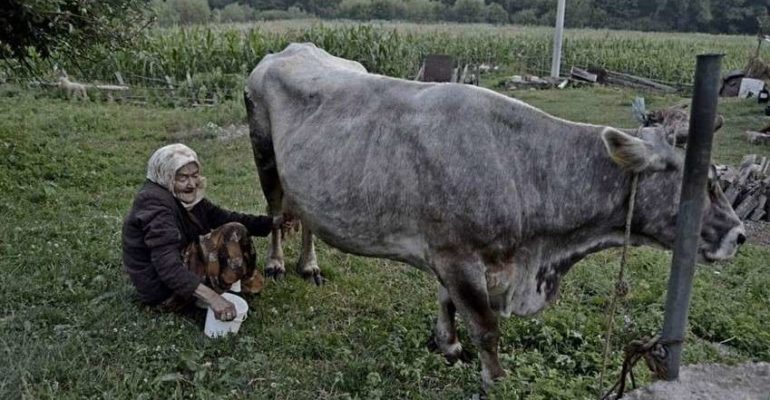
748	187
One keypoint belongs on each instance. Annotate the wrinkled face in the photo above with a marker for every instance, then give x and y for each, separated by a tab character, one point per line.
187	182
660	166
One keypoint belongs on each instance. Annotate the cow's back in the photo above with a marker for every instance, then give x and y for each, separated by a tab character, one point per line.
386	167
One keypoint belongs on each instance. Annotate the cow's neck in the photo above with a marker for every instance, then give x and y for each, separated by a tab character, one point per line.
571	185
577	210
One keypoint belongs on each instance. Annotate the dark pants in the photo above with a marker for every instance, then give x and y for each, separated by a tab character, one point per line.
220	258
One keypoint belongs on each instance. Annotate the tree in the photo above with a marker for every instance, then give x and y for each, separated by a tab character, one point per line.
235	12
66	27
355	9
423	10
468	10
192	11
495	14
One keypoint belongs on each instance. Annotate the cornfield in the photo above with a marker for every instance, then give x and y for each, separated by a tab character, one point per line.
216	58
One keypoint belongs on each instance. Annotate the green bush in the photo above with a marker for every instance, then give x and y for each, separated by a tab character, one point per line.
355	9
236	13
494	13
468	10
274	15
181	12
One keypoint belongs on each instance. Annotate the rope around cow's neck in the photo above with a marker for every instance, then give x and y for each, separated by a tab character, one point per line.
621	286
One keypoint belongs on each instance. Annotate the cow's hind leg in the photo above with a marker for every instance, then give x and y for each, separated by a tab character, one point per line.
264	156
467	289
307	266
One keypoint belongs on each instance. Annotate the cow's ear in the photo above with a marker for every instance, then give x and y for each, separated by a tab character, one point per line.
632	153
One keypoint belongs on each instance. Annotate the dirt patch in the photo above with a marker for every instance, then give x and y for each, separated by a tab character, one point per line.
758	232
749	381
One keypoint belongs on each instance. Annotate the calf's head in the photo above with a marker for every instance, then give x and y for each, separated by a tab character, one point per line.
660	167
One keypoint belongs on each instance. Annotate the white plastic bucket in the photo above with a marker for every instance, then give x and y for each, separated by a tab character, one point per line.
215	328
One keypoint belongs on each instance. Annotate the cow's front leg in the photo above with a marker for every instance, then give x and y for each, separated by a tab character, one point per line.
307	266
275	266
445	333
468	291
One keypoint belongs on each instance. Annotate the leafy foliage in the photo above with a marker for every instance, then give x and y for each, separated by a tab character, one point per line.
41	28
724	16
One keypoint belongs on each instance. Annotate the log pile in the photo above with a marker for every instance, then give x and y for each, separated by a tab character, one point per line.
608	77
748	187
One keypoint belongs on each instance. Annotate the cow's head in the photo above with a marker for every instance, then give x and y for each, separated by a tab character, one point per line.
660	167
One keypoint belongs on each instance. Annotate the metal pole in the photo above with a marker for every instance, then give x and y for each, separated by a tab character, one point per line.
688	224
556	58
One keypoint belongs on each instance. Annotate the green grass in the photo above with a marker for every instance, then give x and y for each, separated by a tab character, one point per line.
69	328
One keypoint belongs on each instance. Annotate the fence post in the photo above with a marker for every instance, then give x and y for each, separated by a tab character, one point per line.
121	82
193	95
688	223
557	39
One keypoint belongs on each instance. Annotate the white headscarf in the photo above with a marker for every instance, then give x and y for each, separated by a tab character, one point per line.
166	161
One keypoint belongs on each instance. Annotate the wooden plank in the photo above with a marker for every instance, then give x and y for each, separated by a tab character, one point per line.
641	81
747	205
582	74
758	214
463	75
420	73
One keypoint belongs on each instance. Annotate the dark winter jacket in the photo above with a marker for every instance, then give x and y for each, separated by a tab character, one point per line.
156	231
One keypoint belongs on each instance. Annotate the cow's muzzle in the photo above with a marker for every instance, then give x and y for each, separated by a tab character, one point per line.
728	246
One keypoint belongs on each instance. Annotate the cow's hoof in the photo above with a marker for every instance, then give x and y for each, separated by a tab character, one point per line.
314	277
274	269
479	396
453	353
432	345
488	378
275	273
461	355
310	271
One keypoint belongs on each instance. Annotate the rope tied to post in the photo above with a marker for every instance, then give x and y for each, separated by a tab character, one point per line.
621	285
653	351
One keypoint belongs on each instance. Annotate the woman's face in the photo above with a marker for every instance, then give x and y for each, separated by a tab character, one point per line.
186	182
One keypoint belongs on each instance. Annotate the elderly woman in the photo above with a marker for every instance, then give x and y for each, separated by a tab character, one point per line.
178	246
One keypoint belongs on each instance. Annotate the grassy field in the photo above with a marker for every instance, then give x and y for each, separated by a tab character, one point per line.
70	329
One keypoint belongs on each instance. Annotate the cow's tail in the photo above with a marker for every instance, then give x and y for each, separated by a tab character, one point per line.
264	153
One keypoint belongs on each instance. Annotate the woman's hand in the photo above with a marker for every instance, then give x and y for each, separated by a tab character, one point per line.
223	309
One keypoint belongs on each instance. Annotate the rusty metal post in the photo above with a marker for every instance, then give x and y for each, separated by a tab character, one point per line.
688	223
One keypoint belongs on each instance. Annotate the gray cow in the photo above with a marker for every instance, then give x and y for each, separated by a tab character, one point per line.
494	197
